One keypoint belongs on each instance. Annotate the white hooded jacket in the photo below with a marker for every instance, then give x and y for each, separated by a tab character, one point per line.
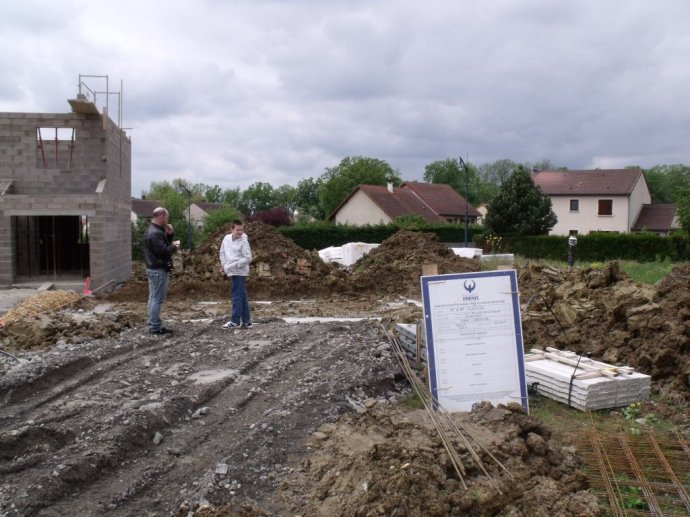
235	255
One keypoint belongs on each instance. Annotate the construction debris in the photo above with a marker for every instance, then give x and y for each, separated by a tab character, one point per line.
44	302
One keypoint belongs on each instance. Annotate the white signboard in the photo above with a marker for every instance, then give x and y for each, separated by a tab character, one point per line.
474	339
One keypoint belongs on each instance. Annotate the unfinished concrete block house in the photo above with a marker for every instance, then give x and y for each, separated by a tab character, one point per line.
65	182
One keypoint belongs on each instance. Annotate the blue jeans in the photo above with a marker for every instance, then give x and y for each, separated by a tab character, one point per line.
240	300
158	288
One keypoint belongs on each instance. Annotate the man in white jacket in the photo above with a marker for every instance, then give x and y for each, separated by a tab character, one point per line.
235	257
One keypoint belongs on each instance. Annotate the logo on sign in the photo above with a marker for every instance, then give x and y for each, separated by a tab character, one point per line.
469	286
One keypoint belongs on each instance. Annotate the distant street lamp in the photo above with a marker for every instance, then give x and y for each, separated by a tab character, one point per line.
189	216
467	188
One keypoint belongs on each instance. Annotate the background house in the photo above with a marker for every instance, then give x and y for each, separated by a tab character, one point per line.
609	200
197	211
376	204
143	209
65	197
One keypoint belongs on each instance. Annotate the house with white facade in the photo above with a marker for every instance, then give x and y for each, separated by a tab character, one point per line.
378	204
601	200
197	211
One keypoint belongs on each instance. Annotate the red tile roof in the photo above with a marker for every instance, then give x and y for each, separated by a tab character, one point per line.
434	202
401	201
656	217
611	182
442	199
145	207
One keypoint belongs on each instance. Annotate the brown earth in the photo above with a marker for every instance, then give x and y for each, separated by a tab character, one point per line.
602	313
101	418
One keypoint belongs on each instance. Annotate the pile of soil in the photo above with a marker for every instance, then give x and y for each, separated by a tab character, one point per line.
282	269
388	461
602	313
279	268
394	267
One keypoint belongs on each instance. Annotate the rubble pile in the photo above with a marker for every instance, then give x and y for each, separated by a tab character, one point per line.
387	460
602	313
395	266
279	268
59	317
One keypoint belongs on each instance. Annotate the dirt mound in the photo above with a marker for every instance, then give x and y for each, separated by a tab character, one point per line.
604	314
279	268
58	316
395	266
390	460
282	269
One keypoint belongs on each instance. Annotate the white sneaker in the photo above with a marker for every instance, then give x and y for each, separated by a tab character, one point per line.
247	325
230	325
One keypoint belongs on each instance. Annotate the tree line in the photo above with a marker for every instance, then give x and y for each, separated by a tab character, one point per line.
504	185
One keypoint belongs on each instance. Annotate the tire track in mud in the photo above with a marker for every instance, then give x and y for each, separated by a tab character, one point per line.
282	381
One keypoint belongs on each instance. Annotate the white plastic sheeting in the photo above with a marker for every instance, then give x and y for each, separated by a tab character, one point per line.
347	254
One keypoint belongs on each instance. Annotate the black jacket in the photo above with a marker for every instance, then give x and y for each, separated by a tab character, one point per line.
158	248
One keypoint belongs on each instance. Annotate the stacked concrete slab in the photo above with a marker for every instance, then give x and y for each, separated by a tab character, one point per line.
407	334
584	383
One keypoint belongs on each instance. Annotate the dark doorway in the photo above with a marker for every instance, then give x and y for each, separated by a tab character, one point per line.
54	246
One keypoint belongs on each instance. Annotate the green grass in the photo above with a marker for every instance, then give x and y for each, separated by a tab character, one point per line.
642	272
648	272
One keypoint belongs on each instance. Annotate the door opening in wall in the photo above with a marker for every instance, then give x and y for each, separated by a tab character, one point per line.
51	247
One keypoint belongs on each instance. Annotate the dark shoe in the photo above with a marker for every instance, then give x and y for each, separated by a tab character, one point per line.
161	331
247	325
230	325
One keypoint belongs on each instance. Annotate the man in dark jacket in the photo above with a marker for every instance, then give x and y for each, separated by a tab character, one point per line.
158	252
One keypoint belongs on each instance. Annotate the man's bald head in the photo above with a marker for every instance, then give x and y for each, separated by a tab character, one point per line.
160	216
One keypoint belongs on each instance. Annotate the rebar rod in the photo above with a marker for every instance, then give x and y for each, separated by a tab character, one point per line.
430	403
669	471
652	502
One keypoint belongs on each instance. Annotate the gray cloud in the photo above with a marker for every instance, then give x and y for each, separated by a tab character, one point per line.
235	92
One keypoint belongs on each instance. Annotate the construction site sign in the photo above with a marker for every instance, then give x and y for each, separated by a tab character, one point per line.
474	339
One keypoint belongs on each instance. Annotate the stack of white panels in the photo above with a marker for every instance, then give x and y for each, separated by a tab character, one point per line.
347	254
407	334
582	382
353	251
331	254
498	258
467	252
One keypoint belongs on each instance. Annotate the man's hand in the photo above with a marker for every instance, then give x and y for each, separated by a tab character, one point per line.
169	229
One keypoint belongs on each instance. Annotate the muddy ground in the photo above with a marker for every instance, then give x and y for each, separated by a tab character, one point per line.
298	417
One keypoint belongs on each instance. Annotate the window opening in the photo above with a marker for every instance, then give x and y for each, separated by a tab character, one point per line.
55	147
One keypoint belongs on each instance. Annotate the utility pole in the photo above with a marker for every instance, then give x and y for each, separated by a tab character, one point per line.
189	216
467	188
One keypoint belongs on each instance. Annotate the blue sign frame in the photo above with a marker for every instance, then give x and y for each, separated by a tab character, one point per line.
467	299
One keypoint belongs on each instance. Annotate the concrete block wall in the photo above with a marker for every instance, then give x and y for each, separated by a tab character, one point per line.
100	153
6	252
110	236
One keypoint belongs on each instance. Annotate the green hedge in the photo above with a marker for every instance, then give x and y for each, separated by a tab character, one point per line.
593	247
599	247
323	235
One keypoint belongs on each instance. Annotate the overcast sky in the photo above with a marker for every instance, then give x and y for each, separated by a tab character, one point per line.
233	92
